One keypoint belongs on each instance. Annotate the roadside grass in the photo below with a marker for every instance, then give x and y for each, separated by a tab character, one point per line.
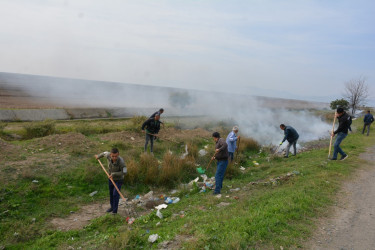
263	216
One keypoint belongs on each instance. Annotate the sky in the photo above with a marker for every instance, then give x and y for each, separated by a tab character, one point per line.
295	49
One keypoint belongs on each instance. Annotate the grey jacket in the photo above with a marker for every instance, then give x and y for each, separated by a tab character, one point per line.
117	169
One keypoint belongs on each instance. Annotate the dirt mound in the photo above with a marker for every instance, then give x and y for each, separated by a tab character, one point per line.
64	140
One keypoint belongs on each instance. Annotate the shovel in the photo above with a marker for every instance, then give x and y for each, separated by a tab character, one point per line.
114	184
330	143
201	170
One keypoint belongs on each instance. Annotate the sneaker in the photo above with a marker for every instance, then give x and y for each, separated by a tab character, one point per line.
332	159
343	157
114	213
109	210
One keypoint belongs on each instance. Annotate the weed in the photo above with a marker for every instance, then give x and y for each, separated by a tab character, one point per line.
39	129
136	123
248	144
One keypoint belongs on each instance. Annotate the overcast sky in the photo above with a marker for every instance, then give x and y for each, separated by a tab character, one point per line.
300	49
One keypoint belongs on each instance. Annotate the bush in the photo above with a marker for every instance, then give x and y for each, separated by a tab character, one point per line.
136	123
39	129
149	169
192	150
170	172
248	144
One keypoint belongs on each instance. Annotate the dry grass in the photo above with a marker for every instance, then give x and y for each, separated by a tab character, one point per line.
170	172
248	144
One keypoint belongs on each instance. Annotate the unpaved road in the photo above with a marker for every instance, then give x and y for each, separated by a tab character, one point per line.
352	225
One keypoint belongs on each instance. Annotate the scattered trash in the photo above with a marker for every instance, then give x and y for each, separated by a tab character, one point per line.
35	181
218	196
157	224
173	191
236	197
93	193
161	206
15	234
33	219
227	196
176	200
159	214
277	180
234	189
153	237
192	182
137	197
132	138
147	231
170	200
204	177
149	196
242	168
202	152
130	220
255	163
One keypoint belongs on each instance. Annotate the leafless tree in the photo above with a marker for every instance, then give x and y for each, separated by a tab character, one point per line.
356	92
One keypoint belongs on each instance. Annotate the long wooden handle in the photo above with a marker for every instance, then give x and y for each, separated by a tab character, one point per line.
238	148
277	149
212	158
162	137
114	184
333	129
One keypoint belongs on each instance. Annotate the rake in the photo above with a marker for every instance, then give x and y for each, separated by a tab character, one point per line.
114	184
333	129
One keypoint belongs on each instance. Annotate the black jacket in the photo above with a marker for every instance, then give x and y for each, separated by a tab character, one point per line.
344	123
290	134
152	126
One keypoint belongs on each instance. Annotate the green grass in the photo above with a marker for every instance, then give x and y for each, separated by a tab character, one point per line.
264	216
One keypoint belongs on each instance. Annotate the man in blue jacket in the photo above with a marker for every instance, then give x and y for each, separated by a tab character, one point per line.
341	132
291	136
368	119
232	142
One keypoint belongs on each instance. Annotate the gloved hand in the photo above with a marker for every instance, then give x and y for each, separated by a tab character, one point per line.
281	143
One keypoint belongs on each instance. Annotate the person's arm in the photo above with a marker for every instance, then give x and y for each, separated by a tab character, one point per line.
232	137
101	155
221	146
372	119
146	123
286	135
342	125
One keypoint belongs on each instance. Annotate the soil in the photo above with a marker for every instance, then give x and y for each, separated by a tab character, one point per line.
352	223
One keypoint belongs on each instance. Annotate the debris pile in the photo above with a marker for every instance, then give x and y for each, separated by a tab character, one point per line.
277	180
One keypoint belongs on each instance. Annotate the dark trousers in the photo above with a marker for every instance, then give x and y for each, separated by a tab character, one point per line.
151	139
219	176
337	149
368	128
293	143
114	196
231	156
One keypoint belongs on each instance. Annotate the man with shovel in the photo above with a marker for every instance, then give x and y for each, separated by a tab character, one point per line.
291	136
117	170
341	132
221	155
232	142
152	126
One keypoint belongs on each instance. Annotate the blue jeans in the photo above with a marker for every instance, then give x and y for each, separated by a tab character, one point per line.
231	156
340	136
114	196
151	139
219	176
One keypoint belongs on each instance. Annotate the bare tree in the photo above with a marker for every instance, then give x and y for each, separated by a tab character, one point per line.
357	92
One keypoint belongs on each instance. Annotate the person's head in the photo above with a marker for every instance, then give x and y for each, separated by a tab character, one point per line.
340	111
282	126
368	111
161	111
157	117
216	136
235	129
114	154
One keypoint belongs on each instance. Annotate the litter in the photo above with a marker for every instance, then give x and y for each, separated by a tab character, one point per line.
137	197
153	237
242	168
173	191
170	200
223	204
204	177
255	163
35	181
161	206
130	220
132	138
157	224
195	180
93	193
148	196
218	196
202	152
159	214
234	189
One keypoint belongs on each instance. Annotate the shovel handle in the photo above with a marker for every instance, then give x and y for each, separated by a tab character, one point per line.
114	184
212	158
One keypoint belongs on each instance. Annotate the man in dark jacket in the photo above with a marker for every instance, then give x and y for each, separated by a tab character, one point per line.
160	111
292	136
221	155
341	132
116	171
152	126
368	119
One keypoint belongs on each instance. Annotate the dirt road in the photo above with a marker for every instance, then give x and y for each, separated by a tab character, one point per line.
352	225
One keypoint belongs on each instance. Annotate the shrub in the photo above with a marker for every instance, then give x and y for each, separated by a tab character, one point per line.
170	172
133	175
149	169
39	129
248	144
232	170
136	123
192	150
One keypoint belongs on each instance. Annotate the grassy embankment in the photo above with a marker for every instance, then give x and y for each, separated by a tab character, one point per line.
263	216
